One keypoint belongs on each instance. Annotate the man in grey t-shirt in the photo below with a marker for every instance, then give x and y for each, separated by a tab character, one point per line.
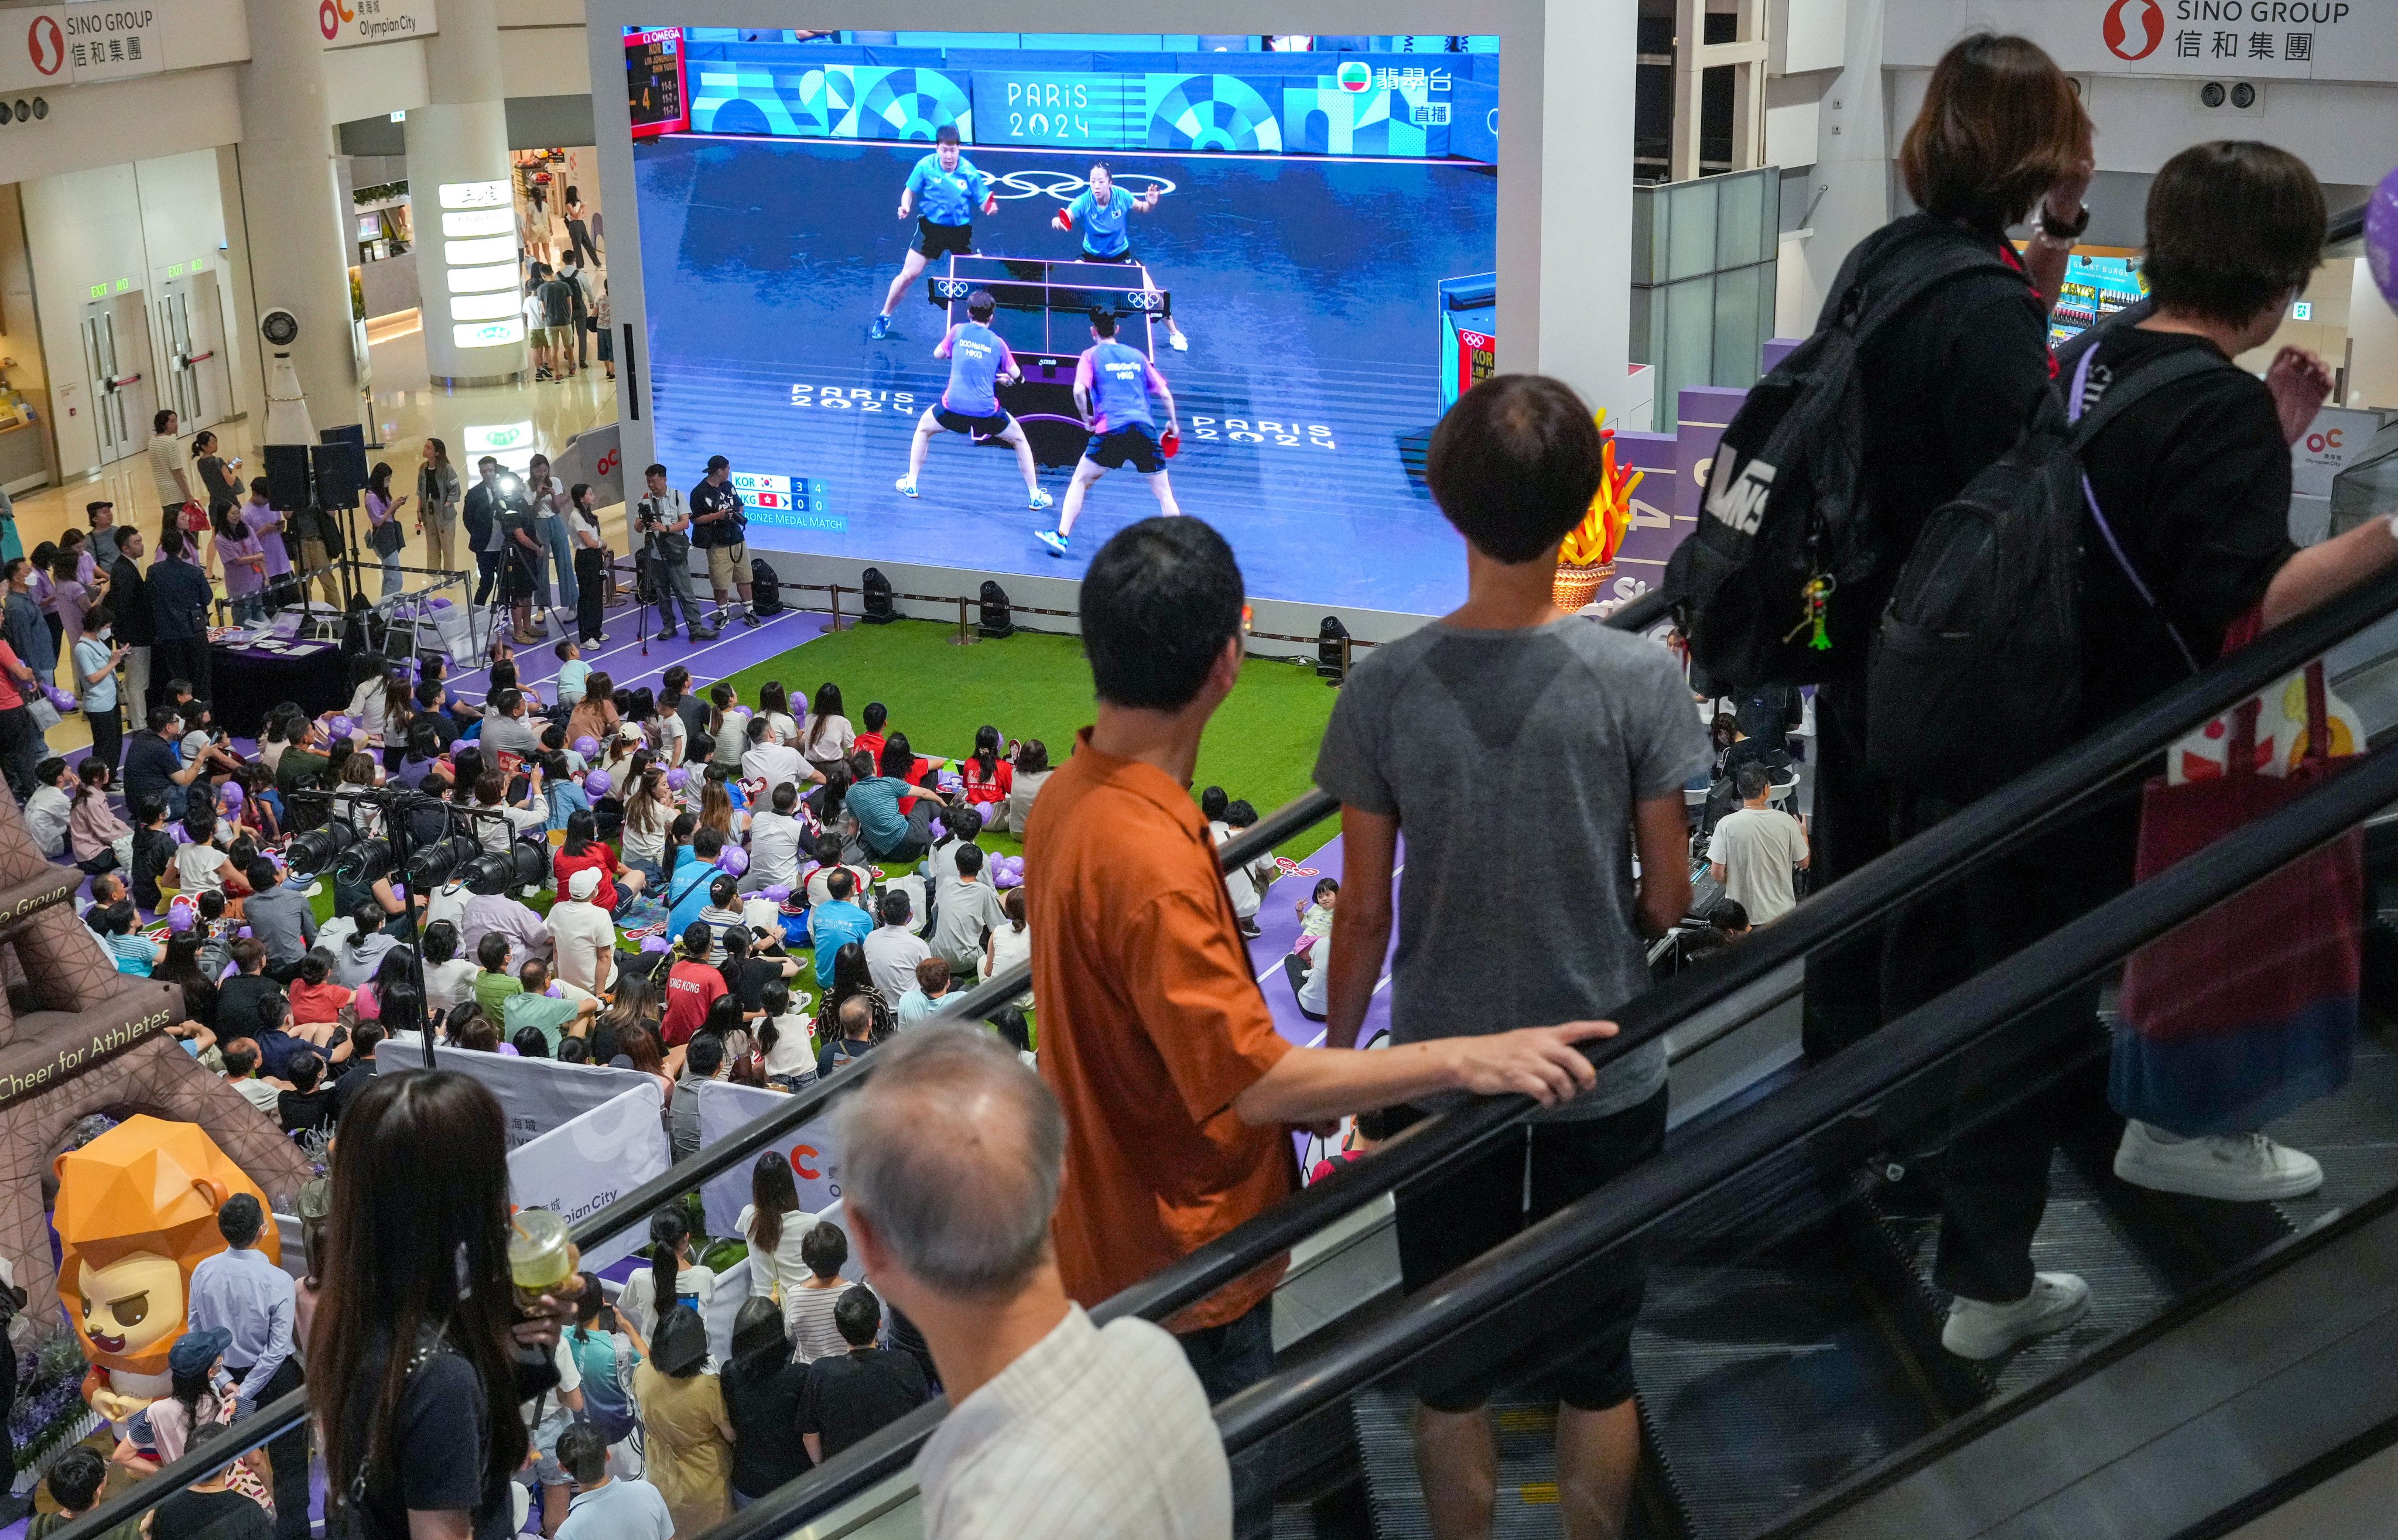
1525	755
505	728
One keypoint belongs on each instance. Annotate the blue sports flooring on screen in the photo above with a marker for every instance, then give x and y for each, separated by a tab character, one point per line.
1306	285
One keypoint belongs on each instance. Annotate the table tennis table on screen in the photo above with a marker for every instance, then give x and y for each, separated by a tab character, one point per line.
1045	317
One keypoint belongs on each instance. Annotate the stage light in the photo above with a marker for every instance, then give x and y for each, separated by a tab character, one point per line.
998	616
1328	638
524	864
316	850
433	865
509	484
364	862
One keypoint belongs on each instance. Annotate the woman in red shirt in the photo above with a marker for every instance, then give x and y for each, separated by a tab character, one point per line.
618	882
988	777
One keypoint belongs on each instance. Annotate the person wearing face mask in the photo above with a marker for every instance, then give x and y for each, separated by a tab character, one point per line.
97	654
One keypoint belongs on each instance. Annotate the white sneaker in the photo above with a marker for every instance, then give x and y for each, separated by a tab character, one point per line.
2234	1168
1041	498
907	484
1979	1329
1180	342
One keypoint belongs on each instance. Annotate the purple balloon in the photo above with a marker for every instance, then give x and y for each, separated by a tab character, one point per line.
735	859
440	604
179	918
2381	237
654	943
232	796
243	935
939	830
586	745
343	727
777	894
598	784
677	779
64	700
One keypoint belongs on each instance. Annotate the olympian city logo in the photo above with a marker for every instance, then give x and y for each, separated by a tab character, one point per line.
331	17
2133	28
46	44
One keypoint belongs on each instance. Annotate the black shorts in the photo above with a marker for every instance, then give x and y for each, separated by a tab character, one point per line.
1135	443
941	240
958	422
1572	1340
1125	255
515	581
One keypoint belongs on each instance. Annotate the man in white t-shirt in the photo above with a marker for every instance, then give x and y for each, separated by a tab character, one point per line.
892	952
951	1155
167	474
774	837
1755	849
583	934
773	763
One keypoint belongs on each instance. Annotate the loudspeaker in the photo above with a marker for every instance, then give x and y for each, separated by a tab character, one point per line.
340	470
875	599
287	484
1328	638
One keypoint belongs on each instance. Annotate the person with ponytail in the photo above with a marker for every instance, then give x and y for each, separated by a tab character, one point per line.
774	1223
671	1273
989	777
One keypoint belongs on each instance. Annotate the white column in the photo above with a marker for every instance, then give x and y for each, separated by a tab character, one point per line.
290	205
2372	332
1584	190
1848	190
458	185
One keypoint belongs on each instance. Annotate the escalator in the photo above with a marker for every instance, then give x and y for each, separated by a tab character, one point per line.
1791	1380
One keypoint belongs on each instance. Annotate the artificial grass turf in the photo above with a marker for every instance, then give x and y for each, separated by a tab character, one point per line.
1261	745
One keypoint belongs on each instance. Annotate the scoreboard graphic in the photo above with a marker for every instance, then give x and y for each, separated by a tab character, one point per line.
655	84
787	501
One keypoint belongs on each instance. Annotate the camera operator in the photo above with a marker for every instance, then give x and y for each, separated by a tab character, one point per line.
721	527
665	525
522	549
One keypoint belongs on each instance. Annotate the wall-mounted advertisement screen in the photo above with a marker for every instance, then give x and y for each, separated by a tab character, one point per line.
1266	236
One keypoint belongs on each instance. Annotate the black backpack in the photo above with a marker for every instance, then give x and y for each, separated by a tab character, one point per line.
766	588
1975	673
1770	583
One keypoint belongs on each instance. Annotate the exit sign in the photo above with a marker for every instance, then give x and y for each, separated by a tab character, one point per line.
2304	310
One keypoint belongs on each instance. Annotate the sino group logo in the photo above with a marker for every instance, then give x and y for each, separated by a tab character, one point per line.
2133	28
46	44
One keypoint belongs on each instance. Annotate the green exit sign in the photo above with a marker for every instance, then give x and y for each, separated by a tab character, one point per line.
176	271
99	291
124	285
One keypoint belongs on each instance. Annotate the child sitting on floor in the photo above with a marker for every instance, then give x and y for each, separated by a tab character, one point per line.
316	1001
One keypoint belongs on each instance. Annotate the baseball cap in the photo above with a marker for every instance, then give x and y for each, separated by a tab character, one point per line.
717	461
584	883
196	1349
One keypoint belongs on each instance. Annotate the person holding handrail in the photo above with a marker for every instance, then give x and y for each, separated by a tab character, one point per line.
1408	752
1154	1036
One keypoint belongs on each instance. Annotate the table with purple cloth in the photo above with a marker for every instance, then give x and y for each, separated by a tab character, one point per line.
251	680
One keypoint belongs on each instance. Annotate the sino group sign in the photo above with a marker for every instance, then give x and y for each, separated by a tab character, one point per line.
2207	39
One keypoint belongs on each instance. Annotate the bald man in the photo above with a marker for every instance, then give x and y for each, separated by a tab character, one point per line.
952	1152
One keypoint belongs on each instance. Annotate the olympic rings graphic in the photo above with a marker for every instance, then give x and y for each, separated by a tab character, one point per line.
1063	186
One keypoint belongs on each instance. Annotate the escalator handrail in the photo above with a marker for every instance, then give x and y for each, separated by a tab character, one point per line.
1634	1203
2015	812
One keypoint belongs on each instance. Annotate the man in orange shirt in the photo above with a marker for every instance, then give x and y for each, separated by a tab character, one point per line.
1175	1087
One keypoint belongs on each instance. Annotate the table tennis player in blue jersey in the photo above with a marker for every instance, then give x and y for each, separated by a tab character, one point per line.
1101	211
942	192
1113	385
978	360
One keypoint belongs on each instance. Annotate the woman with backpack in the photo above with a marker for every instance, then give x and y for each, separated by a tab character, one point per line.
422	1349
606	1351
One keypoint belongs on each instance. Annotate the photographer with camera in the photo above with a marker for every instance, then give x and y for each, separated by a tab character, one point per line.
664	525
721	527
